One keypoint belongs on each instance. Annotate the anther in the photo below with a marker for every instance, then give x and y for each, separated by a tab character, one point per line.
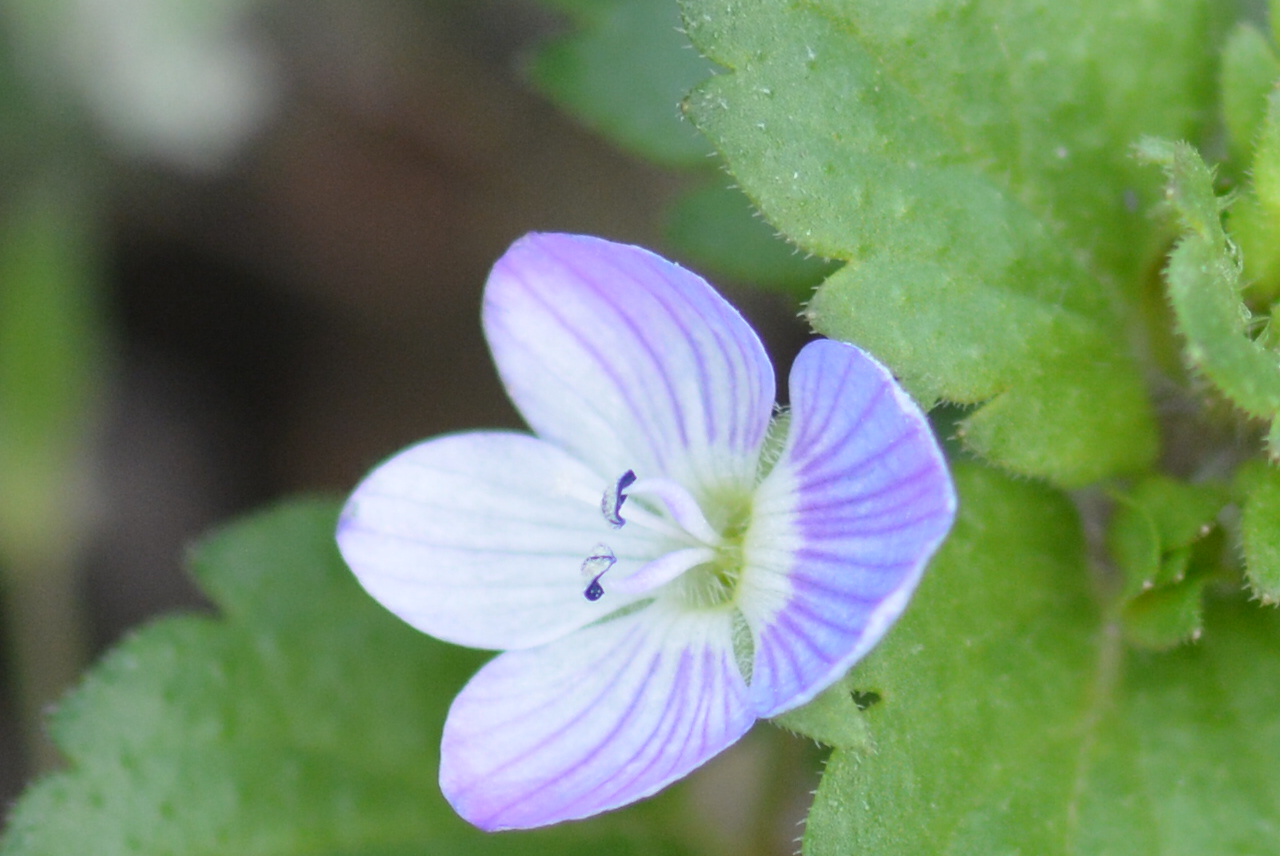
611	502
596	566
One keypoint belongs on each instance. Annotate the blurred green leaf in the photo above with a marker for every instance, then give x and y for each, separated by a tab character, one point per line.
305	720
1013	719
969	162
1155	525
623	71
1260	527
1250	69
51	363
1168	615
1204	281
1254	216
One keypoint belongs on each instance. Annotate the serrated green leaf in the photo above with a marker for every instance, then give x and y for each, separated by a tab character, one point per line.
1204	283
623	71
304	722
718	229
1250	69
969	162
1260	528
1014	720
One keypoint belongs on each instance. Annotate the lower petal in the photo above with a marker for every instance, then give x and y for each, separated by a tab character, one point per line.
589	723
842	527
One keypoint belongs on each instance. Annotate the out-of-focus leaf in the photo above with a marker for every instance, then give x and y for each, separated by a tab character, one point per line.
1155	525
1260	527
1250	70
718	228
305	721
623	71
1254	216
1013	718
969	163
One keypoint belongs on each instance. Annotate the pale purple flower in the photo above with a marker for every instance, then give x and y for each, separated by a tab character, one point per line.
664	560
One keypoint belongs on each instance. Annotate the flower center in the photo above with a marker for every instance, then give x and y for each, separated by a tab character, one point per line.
708	565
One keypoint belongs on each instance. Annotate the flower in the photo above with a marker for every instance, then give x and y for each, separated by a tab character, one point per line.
664	560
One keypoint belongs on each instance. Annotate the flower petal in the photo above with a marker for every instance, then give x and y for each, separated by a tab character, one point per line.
594	721
843	525
479	539
628	360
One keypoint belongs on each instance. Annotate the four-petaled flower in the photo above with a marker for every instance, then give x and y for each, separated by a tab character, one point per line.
665	560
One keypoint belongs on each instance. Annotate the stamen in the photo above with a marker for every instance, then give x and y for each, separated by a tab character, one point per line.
611	502
682	506
665	569
596	566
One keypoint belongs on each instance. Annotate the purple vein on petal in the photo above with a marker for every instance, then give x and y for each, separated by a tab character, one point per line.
668	721
604	364
858	425
817	463
658	367
585	756
854	503
812	431
554	701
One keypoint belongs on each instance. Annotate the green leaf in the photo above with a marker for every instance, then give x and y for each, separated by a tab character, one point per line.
1155	525
1013	719
1250	69
1168	615
1204	283
304	721
718	229
969	162
1254	218
623	71
1260	527
833	717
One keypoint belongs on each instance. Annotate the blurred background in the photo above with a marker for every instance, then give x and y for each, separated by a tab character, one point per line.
242	245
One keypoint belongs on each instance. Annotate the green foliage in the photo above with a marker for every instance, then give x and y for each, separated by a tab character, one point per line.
1250	69
718	227
1255	215
1013	719
833	718
1260	528
1204	282
623	70
968	161
1165	539
305	720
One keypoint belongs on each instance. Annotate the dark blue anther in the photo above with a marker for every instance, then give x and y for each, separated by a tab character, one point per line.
596	566
611	502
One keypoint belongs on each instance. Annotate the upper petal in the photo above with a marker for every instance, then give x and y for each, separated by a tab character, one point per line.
600	719
842	527
628	360
479	539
